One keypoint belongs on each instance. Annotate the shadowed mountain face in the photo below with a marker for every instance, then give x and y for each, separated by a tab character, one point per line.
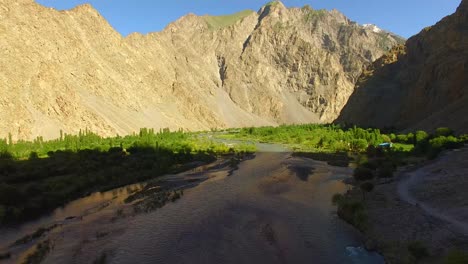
421	85
71	70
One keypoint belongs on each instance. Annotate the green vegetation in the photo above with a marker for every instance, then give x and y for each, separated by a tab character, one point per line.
418	251
351	210
39	176
217	22
272	3
456	257
314	14
365	188
102	259
311	138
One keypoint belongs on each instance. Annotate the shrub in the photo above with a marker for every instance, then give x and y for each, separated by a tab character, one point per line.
443	131
365	188
371	164
363	174
33	155
358	144
353	212
418	250
385	172
442	142
9	195
456	257
401	138
5	155
337	199
421	136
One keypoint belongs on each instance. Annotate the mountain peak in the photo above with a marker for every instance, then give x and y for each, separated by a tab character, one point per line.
275	4
372	27
273	7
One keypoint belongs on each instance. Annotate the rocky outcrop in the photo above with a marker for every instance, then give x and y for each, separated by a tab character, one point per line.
70	70
421	85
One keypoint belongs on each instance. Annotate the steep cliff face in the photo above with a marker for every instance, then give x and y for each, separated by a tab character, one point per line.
71	70
421	85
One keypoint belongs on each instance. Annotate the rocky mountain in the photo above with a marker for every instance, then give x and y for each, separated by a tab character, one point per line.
70	70
420	85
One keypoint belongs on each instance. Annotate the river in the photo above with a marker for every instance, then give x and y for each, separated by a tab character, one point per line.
274	209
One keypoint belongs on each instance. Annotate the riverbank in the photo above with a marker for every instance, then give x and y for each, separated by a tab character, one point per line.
422	214
101	216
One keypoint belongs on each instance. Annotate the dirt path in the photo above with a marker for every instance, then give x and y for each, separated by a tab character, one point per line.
422	176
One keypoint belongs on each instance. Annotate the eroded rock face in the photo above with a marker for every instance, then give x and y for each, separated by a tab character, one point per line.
71	70
421	85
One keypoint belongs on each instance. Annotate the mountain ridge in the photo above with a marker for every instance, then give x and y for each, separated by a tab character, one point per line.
420	85
70	70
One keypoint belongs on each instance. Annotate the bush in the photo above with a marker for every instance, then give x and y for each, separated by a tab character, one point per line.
5	155
365	188
443	132
421	136
418	250
358	145
456	257
371	164
363	174
9	195
337	199
33	155
353	212
385	172
401	138
440	143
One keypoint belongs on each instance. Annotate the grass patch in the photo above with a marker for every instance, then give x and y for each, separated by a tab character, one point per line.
217	22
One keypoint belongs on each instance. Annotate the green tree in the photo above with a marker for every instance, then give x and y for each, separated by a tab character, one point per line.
443	131
421	136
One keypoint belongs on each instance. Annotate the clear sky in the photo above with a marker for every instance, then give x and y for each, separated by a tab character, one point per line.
403	17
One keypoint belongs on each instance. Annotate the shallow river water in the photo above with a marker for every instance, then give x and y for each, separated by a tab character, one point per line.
274	209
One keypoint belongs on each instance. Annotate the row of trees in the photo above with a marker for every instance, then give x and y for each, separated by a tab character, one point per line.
330	138
37	176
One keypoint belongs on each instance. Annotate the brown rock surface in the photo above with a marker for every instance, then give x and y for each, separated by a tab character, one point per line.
422	85
71	70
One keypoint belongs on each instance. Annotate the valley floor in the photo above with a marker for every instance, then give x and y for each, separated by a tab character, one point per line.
426	205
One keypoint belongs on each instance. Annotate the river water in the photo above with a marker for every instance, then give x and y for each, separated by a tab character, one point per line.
274	209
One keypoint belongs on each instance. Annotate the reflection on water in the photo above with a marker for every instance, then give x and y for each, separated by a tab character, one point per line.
269	211
273	209
75	209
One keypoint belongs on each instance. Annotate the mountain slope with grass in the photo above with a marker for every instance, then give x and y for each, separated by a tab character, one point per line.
70	70
420	85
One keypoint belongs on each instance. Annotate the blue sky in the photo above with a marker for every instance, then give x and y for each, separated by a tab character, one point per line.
404	17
